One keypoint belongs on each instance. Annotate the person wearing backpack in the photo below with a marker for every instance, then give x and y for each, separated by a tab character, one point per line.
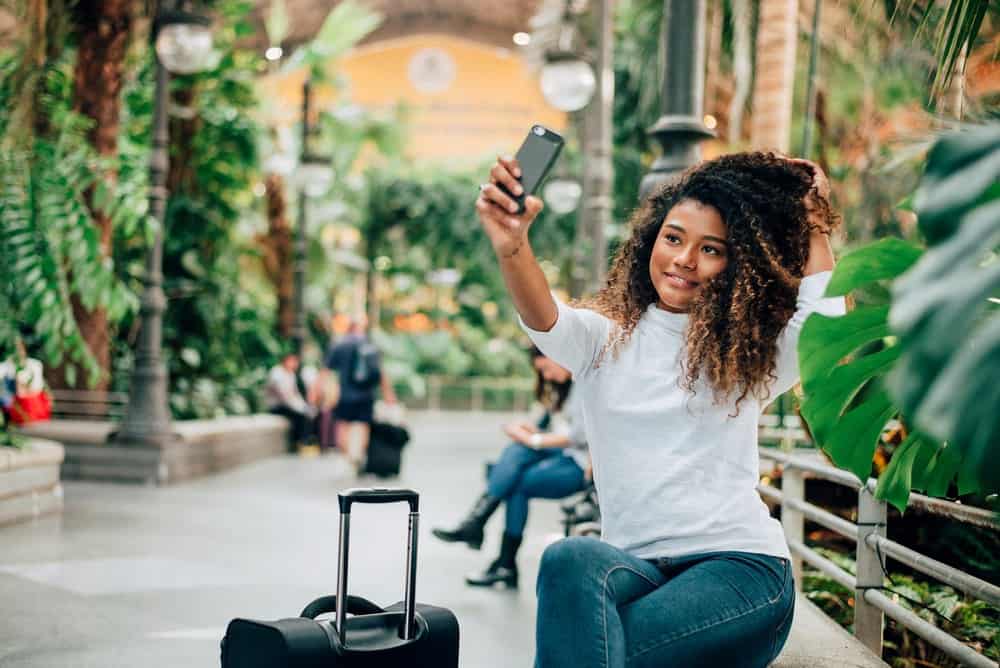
357	363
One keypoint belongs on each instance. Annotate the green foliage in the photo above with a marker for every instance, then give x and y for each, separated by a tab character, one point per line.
974	622
942	310
277	22
956	32
425	219
418	221
846	405
638	67
218	332
345	26
49	245
938	346
467	352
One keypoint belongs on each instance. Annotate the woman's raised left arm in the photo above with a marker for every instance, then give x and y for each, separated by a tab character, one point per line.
820	251
820	254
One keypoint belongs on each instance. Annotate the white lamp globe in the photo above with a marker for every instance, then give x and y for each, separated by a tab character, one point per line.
567	82
314	175
184	45
562	195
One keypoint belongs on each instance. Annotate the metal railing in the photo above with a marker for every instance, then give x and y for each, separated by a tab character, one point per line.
474	394
871	603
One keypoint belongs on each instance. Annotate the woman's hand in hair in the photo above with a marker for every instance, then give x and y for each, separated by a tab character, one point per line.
506	229
818	205
817	200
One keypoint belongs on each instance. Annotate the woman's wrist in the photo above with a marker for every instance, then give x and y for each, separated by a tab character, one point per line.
535	440
513	251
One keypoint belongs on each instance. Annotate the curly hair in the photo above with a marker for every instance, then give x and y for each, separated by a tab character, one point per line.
769	206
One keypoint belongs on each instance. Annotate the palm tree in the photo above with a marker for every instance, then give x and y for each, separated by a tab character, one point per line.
50	188
103	29
777	36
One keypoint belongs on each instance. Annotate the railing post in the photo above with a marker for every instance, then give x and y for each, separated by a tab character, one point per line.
518	405
793	487
477	395
869	620
434	393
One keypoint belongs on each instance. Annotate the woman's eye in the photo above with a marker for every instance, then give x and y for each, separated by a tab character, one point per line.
672	238
712	250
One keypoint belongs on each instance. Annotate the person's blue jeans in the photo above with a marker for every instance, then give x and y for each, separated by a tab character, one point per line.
522	473
599	607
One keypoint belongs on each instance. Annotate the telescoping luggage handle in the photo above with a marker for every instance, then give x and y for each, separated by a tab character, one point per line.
378	495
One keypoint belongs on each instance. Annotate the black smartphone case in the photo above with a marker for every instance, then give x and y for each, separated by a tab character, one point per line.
550	139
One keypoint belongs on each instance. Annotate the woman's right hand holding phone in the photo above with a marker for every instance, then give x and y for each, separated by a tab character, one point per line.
506	229
508	232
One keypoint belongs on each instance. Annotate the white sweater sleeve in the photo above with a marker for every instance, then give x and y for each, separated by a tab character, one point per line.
575	340
810	300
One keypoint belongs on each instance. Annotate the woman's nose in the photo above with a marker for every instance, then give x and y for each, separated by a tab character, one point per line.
687	258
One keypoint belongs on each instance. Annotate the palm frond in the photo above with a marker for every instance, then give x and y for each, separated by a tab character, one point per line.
49	246
955	34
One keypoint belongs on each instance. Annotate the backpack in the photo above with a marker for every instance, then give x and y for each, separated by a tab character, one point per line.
365	371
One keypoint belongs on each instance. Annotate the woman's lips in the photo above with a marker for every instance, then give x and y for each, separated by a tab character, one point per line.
679	282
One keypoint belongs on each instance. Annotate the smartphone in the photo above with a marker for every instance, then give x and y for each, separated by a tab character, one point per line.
536	157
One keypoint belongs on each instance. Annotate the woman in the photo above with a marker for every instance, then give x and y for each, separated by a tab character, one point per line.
694	333
23	398
547	460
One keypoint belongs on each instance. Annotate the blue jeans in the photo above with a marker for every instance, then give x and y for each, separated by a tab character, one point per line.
522	473
600	607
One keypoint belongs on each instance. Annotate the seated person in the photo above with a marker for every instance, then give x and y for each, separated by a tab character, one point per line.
22	394
547	460
283	397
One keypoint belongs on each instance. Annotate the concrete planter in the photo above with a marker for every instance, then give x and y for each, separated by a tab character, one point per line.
29	481
203	447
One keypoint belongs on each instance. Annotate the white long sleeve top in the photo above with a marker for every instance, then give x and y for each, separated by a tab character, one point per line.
676	473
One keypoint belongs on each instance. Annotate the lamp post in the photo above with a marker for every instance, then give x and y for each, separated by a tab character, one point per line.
681	127
313	176
183	44
569	83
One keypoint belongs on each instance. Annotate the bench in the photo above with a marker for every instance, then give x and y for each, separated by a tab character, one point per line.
816	641
88	405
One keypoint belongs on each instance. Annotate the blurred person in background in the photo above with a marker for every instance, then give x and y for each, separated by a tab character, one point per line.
547	459
22	388
283	397
356	362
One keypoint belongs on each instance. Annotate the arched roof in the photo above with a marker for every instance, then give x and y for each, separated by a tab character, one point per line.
492	23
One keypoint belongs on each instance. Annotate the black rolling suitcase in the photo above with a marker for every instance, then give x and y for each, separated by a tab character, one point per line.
385	449
409	634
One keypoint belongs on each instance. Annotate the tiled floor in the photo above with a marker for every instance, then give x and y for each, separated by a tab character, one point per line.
143	576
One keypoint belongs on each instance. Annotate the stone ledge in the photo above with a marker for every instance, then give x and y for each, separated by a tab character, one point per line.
203	447
29	481
816	641
37	452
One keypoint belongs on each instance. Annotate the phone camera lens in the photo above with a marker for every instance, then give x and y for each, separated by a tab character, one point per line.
538	130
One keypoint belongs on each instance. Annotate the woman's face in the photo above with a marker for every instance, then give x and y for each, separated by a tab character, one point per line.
551	371
690	249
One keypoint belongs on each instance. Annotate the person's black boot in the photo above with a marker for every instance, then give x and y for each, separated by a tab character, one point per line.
503	571
470	530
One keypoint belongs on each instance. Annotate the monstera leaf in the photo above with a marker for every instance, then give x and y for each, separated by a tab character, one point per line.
846	404
931	357
946	309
